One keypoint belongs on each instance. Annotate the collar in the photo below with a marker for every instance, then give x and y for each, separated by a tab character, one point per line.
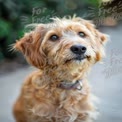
77	85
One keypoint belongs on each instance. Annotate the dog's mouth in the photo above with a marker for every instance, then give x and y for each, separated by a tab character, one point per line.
77	58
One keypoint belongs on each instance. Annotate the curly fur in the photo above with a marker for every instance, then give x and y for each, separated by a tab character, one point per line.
40	99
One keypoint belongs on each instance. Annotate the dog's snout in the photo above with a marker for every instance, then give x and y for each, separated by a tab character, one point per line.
78	49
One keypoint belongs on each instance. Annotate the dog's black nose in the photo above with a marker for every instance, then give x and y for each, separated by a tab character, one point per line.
78	49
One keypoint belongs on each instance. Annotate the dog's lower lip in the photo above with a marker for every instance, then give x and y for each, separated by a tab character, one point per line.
79	58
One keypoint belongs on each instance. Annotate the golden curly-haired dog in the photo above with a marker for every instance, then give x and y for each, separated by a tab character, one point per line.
63	51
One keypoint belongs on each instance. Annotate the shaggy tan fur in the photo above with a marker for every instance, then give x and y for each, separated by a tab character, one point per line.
41	100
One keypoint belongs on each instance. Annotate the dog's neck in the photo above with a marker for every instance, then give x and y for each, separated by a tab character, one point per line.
63	77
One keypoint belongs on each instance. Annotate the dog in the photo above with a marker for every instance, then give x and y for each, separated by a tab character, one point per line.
63	51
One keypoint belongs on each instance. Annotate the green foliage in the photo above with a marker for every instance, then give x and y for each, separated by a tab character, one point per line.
5	28
15	14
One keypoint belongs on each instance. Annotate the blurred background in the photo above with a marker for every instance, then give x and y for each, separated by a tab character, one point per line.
105	77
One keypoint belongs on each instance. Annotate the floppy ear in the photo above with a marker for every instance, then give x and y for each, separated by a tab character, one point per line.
103	37
30	46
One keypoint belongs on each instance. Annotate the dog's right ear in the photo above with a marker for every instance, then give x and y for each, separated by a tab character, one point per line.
30	46
22	44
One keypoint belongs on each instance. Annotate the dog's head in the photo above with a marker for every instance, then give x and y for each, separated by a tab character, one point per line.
64	43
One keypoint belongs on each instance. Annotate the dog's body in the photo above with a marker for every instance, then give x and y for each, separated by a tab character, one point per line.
63	51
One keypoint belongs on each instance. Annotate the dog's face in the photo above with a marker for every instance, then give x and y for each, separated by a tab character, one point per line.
64	43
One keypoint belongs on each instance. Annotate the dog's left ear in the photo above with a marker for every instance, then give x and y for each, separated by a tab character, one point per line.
30	46
103	37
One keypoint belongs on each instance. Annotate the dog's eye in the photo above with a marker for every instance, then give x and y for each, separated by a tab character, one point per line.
82	34
54	38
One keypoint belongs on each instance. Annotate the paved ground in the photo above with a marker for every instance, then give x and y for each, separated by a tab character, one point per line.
105	79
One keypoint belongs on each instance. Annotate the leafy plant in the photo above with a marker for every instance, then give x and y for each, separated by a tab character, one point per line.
15	14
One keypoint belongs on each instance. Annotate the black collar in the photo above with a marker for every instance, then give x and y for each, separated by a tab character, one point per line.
77	85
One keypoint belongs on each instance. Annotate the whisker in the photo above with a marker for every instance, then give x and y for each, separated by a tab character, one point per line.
11	48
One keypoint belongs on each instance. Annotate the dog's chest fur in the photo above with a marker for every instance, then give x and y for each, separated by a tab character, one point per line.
57	105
